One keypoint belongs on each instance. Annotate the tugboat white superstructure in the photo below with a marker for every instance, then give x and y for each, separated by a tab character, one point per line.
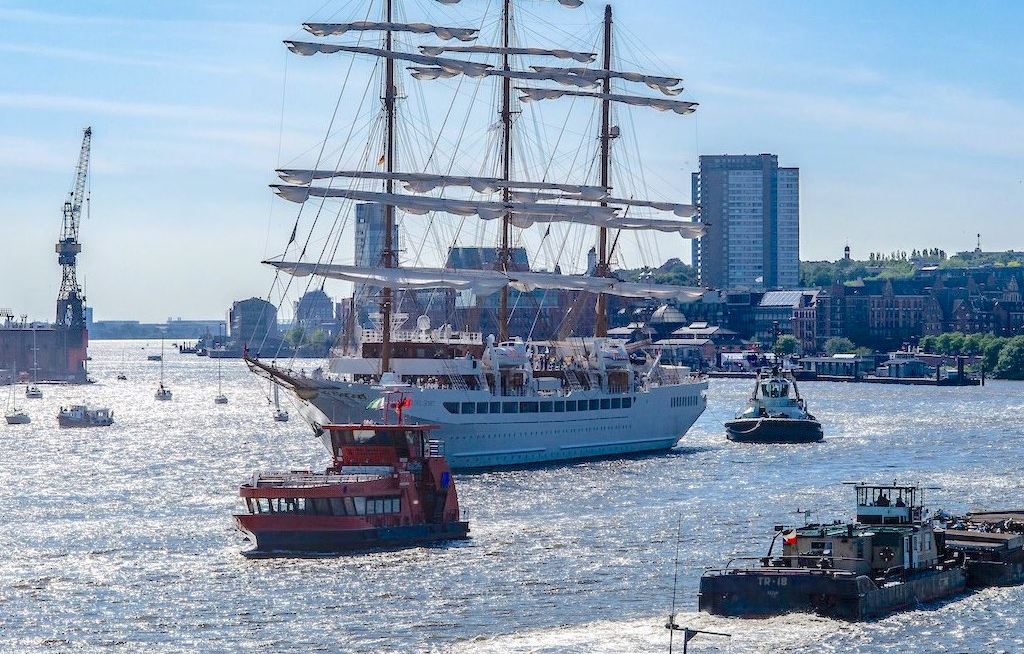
775	413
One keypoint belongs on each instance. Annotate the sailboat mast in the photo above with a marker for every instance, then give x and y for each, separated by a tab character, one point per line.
506	161
601	270
388	253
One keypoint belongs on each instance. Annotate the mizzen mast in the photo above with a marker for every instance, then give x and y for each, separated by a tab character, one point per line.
504	252
602	268
388	253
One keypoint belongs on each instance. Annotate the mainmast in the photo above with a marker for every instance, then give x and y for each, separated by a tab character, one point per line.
388	253
504	253
601	270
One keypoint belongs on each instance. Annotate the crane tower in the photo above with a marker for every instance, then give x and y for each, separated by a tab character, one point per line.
70	300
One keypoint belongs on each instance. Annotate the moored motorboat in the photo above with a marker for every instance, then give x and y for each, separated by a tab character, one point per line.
775	413
388	486
17	417
80	415
890	558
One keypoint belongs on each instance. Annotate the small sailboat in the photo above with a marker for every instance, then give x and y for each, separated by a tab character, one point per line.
16	416
121	376
221	397
32	391
280	415
162	392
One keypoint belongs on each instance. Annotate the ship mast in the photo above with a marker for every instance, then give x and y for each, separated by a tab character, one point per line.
601	270
388	253
504	253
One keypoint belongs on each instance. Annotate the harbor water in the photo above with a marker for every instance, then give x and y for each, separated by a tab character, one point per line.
121	538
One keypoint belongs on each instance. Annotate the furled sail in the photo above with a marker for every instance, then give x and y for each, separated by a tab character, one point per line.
467	68
572	4
667	85
416	204
562	78
425	182
443	33
678	106
582	57
484	282
681	210
685	229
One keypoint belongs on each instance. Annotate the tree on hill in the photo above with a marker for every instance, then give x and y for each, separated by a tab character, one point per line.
1011	359
838	345
786	344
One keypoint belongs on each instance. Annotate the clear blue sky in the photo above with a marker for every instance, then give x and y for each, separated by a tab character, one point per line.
905	118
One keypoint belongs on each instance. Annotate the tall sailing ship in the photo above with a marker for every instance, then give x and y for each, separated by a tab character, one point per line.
499	400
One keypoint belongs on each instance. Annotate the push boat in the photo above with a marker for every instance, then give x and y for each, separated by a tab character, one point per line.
79	415
775	413
891	558
389	486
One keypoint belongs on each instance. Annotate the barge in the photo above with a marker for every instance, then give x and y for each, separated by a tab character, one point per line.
892	557
992	544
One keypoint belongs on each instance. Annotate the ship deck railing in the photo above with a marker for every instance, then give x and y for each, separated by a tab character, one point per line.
300	479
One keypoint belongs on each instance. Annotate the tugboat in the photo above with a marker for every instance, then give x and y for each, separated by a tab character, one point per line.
387	487
79	415
891	558
775	413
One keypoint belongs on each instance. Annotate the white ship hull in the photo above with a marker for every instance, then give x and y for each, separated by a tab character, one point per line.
655	419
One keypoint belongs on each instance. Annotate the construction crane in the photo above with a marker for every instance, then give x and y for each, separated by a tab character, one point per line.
70	300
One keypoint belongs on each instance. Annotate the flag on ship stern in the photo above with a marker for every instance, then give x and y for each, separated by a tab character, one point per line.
789	537
376	404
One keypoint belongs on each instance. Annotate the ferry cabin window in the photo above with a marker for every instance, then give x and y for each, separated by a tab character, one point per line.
616	403
527	407
627	402
510	407
495	407
468	407
560	406
545	407
594	404
452	407
481	407
605	404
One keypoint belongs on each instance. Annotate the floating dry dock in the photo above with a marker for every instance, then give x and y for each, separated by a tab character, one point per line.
893	557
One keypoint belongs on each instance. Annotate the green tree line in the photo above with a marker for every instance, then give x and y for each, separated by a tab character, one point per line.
1003	357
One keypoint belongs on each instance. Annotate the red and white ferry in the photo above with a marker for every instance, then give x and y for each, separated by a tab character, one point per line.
388	486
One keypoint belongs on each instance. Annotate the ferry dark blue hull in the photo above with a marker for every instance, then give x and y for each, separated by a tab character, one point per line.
312	542
773	430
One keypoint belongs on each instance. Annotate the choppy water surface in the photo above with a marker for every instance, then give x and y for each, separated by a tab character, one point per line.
121	539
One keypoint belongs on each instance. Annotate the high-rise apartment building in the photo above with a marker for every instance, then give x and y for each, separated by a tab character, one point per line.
752	211
369	249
